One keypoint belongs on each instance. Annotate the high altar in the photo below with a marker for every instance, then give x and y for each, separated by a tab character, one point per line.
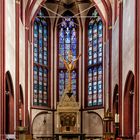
68	114
68	118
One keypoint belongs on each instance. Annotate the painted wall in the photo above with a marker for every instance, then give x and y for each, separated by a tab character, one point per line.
92	122
10	38
115	55
42	125
10	43
128	39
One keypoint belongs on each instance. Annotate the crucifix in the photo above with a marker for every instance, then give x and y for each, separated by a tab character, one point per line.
70	65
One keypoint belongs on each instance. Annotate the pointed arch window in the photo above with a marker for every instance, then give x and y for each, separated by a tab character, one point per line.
41	60
68	40
94	62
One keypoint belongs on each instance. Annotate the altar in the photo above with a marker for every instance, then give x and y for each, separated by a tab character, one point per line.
67	111
68	115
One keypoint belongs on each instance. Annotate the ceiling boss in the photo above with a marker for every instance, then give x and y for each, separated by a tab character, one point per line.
70	65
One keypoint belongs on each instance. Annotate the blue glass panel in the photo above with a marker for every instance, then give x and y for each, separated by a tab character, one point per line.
61	51
74	82
100	99
89	100
40	44
94	57
100	26
94	86
90	56
90	75
71	23
100	71
66	79
90	30
61	36
61	82
74	53
35	42
73	46
40	85
67	48
95	74
95	31
45	32
37	19
90	82
95	99
73	36
45	74
100	34
44	22
95	28
94	42
90	44
67	37
35	95
90	33
45	60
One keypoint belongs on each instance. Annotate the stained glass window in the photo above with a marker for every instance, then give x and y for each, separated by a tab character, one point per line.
95	61
67	31
40	60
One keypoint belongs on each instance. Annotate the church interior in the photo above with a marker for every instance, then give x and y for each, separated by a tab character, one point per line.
69	69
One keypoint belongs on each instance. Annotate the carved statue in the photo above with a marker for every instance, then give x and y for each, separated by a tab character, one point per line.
70	65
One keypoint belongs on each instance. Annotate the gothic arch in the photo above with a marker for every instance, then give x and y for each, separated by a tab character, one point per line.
128	105
9	105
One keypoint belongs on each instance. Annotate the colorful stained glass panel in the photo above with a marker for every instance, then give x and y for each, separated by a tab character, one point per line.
95	60
40	56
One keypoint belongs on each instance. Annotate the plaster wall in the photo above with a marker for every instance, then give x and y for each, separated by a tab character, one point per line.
10	43
115	55
128	41
22	58
10	38
92	122
42	124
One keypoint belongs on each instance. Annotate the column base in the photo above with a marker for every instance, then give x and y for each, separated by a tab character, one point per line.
138	136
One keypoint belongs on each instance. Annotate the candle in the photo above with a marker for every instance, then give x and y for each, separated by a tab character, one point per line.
57	120
116	118
20	114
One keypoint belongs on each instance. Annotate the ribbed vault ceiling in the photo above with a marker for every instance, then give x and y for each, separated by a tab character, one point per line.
79	8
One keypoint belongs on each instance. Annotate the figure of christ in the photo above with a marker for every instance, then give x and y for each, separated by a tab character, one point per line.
70	65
